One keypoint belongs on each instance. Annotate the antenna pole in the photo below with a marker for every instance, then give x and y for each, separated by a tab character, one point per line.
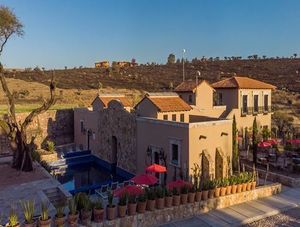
183	76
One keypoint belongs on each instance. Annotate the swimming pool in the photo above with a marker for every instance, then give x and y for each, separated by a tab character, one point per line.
85	173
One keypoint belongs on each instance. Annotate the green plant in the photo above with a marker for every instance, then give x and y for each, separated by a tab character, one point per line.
110	199
184	189
224	182
50	146
13	217
97	204
44	211
60	210
160	192
168	192
123	199
151	195
142	197
192	189
206	185
28	210
80	199
87	204
72	206
175	191
232	180
132	199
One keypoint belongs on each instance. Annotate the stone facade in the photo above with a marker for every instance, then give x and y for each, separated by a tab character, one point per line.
56	126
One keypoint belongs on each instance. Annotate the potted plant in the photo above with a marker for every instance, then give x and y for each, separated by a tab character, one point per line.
253	185
205	190
13	218
192	194
60	214
132	205
98	211
211	189
122	205
73	212
244	181
229	186
86	211
249	181
184	194
151	199
28	211
168	198
218	186
142	202
160	197
239	180
234	186
224	184
111	208
198	192
176	197
45	219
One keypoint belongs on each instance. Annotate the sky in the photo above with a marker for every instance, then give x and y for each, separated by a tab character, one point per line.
75	33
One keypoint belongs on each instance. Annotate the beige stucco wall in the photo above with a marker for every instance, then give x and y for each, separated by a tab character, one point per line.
146	109
251	93
185	97
204	96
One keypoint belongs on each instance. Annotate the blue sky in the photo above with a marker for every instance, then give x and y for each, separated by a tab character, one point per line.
71	33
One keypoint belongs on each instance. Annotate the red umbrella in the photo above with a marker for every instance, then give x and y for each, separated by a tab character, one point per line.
178	184
145	179
156	168
264	145
293	141
129	189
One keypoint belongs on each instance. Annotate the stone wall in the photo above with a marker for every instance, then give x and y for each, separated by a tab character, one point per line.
56	126
158	217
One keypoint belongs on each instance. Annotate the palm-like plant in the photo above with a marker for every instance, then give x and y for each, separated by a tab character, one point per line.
28	210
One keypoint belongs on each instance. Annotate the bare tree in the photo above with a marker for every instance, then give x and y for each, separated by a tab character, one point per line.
16	130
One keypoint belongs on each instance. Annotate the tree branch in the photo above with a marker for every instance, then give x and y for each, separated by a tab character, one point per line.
4	42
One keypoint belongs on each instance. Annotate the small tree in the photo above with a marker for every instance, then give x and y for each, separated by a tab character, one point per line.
254	141
283	123
235	149
171	59
266	133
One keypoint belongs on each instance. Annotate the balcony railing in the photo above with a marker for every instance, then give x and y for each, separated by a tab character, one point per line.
255	110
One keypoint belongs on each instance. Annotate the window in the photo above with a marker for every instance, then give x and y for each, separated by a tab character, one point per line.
255	103
190	98
175	154
165	117
173	117
266	103
81	126
245	104
220	99
182	117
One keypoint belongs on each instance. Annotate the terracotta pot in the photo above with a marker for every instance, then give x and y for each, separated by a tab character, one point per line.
205	195
60	221
30	225
45	223
168	201
211	193
122	210
183	198
228	189
141	207
176	200
132	208
73	219
244	187
234	189
198	196
223	191
160	203
111	212
217	192
191	197
98	215
249	185
239	188
17	225
86	217
151	204
253	185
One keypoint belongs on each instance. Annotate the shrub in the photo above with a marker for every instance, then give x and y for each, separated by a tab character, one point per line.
50	146
28	210
73	206
123	199
142	197
97	204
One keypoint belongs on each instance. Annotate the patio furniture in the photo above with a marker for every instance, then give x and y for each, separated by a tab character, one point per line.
114	185
103	191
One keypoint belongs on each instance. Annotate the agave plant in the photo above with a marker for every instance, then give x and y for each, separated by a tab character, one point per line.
44	211
60	210
13	218
28	210
73	206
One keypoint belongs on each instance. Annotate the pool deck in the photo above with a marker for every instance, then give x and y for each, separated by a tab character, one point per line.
11	195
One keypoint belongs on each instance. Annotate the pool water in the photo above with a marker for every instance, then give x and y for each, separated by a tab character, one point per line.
86	177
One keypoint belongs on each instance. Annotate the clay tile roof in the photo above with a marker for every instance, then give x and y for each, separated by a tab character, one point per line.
243	83
186	86
124	100
169	104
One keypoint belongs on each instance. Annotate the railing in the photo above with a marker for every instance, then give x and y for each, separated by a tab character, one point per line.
255	110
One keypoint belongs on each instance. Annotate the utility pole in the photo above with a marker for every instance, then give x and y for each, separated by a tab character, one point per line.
183	76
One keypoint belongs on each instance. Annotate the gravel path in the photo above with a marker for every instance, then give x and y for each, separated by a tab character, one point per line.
288	218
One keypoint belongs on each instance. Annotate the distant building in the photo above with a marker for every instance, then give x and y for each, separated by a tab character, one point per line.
123	64
102	64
